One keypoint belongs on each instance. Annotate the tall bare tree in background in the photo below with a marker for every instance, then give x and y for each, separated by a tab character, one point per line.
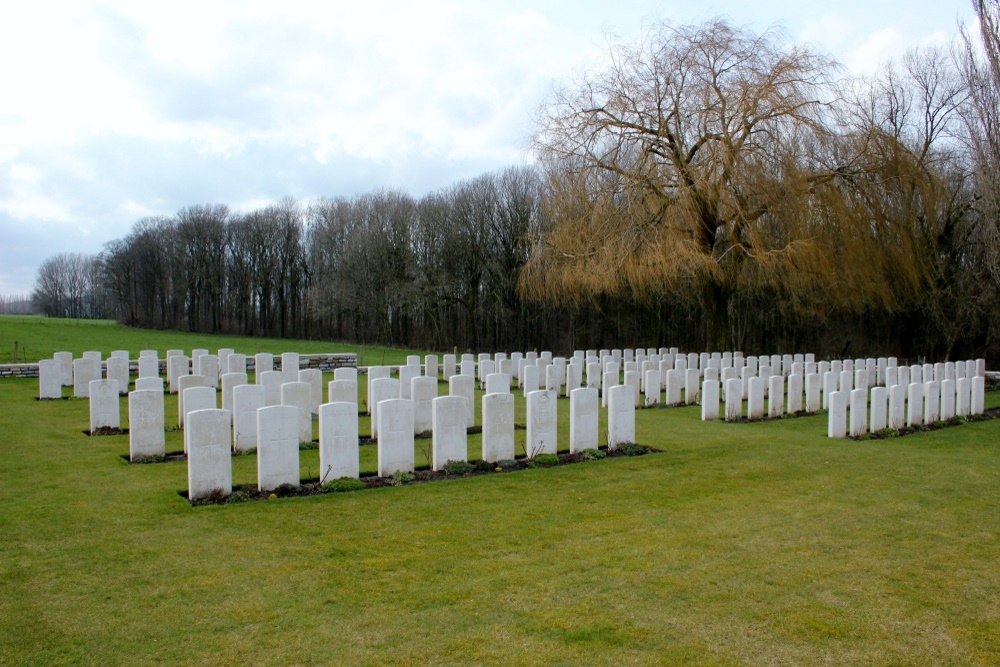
682	167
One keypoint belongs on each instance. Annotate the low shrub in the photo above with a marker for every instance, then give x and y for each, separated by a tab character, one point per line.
458	467
886	433
632	449
344	484
546	460
401	477
591	454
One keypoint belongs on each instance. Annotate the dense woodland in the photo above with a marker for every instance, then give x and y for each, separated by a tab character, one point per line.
711	188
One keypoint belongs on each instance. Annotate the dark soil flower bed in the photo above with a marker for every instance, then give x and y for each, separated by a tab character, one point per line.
887	433
249	492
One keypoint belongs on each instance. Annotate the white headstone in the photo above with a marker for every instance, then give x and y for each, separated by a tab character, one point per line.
346	373
145	424
299	395
541	418
271	381
49	379
237	363
963	397
621	416
290	366
497	383
196	398
209	365
449	440
837	418
672	386
229	382
947	399
879	410
65	360
247	400
105	411
117	370
776	396
406	375
423	390
465	386
859	412
498	427
932	401
342	391
395	436
84	372
755	398
278	440
583	419
529	379
897	406
978	398
338	440
149	367
632	380
177	366
382	389
794	393
209	462
314	378
915	404
186	382
431	366
262	362
709	400
93	355
448	364
830	382
149	384
652	385
692	386
734	399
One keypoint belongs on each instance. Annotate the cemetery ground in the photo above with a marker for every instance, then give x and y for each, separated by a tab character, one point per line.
739	543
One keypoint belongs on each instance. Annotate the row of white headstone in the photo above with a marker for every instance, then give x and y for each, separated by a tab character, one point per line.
65	371
208	438
859	411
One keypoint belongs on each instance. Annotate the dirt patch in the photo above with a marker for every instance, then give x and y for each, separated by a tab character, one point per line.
249	492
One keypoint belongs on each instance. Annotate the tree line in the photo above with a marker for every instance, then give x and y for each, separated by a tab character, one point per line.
711	188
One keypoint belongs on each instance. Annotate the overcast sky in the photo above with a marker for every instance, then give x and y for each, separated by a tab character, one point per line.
111	111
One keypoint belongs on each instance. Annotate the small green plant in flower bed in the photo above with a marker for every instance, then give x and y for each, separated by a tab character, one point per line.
592	454
458	467
506	464
546	460
344	484
401	477
632	449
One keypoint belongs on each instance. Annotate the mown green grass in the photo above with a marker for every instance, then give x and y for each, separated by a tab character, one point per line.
740	543
40	337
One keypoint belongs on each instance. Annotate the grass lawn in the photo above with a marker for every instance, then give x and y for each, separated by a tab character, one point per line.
40	337
740	543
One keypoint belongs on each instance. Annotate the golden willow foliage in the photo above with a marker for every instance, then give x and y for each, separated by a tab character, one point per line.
705	160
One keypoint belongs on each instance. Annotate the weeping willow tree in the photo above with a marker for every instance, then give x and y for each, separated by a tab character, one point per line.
701	162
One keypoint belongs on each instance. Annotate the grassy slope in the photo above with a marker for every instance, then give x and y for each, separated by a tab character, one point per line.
42	336
758	543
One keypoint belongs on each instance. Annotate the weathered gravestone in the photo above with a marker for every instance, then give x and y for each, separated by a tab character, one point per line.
229	382
342	391
583	419
541	417
423	390
65	360
450	442
338	440
298	395
314	378
498	427
247	400
49	379
278	437
117	370
382	390
145	424
210	465
84	372
105	411
621	416
149	384
186	382
395	436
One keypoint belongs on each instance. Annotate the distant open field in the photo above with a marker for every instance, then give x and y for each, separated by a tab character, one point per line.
763	543
43	335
